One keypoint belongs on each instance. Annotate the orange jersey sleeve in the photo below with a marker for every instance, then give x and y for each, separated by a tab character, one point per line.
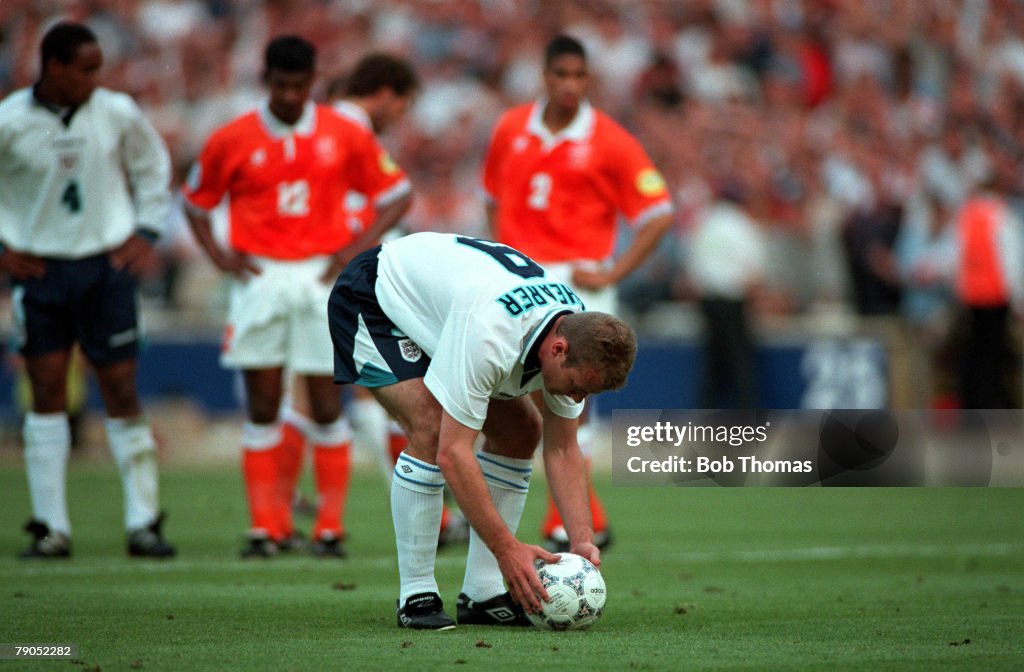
560	203
286	194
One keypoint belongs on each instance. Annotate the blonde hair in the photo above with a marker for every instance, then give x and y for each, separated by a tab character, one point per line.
601	341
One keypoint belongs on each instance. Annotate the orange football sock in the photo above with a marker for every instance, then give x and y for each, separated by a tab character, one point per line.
290	454
445	516
598	517
333	468
397	442
597	514
552	519
259	468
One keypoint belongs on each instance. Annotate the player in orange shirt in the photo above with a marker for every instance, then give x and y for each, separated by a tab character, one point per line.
558	174
284	170
376	95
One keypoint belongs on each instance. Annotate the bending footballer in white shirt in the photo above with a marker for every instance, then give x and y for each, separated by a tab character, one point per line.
452	333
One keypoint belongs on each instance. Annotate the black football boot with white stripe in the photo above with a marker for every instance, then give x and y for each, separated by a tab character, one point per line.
499	610
424	611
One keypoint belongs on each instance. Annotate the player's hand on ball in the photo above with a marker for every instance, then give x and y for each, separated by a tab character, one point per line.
577	594
517	566
588	551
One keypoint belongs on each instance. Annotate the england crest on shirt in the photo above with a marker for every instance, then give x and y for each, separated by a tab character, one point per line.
68	161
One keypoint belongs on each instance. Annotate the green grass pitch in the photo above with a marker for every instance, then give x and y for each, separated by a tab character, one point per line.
698	579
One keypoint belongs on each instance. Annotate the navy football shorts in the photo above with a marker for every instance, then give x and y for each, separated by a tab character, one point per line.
83	300
371	351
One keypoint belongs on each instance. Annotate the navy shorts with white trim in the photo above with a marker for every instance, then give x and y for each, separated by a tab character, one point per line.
84	300
369	350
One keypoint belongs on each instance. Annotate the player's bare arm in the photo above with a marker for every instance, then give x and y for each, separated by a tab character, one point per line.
457	461
563	462
20	265
227	261
133	255
387	217
643	243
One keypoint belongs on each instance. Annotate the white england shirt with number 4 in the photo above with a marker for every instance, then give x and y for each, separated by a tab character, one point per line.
72	191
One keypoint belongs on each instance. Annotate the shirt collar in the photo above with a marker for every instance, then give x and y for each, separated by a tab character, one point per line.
277	128
355	112
579	129
531	352
63	111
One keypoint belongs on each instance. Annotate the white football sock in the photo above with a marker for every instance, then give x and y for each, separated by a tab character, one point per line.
370	431
134	449
261	437
47	446
508	480
292	417
331	435
417	497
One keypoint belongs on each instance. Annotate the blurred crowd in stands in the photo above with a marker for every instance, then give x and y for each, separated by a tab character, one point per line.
850	131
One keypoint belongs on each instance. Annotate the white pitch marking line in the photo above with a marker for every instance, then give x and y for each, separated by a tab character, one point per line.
77	567
813	553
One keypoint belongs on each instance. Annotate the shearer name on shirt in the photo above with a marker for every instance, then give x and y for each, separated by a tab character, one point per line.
524	298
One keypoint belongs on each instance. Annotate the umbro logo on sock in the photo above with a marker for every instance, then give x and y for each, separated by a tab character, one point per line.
406	468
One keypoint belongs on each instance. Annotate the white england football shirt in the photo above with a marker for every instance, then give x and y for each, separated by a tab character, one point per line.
74	190
478	309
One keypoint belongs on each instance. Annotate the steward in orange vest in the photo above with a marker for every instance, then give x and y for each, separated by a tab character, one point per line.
989	280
